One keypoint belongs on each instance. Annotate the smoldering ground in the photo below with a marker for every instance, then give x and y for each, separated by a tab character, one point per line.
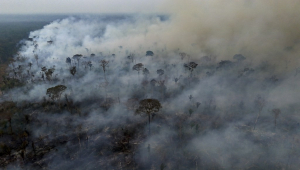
229	112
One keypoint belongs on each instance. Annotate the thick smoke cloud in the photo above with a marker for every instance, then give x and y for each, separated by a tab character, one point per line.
260	29
222	114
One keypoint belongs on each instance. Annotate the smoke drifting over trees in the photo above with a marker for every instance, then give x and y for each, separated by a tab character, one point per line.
223	77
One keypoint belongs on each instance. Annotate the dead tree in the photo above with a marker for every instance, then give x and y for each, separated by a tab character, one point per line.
104	64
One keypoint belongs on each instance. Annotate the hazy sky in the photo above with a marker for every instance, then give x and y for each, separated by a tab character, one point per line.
78	6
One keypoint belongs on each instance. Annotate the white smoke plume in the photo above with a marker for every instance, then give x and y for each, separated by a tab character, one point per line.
222	114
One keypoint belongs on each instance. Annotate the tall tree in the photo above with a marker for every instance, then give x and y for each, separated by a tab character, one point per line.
77	57
149	107
104	64
138	67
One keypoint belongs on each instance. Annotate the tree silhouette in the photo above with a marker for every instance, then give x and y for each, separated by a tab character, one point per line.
68	60
146	71
55	92
103	64
190	97
138	67
73	70
198	104
77	57
149	107
191	66
149	53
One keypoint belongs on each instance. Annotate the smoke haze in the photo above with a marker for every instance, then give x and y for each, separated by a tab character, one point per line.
236	109
258	29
